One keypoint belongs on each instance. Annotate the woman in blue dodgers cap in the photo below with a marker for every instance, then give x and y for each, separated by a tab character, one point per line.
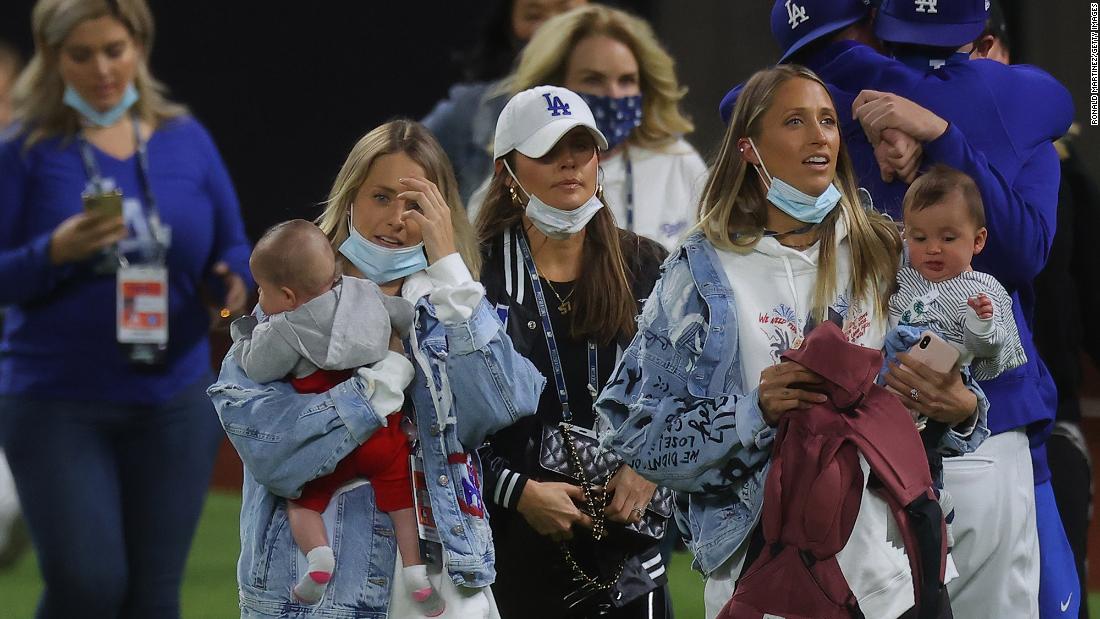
567	283
652	176
783	244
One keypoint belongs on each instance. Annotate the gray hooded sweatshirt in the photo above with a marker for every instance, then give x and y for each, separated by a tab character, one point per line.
344	328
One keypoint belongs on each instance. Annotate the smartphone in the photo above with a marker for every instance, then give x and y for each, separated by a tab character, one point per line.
935	352
105	204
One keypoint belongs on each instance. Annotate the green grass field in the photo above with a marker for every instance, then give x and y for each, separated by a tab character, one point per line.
209	586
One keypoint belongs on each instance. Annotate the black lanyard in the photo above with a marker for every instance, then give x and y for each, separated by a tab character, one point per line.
629	189
91	168
551	342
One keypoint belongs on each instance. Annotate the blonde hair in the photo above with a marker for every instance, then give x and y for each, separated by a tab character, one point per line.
545	57
412	139
732	212
38	92
10	58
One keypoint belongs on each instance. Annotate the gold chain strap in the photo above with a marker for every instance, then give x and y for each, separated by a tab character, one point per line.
580	576
595	506
595	510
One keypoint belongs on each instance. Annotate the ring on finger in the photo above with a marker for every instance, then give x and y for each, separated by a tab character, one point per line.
914	394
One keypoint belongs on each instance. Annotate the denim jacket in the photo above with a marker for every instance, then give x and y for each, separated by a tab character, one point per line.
287	439
684	418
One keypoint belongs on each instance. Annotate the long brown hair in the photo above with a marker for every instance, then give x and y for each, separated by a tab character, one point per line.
605	306
411	138
37	94
732	212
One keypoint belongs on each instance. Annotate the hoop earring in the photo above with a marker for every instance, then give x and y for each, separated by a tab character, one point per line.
515	197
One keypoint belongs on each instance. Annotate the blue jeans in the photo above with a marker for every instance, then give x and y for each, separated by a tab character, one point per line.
111	494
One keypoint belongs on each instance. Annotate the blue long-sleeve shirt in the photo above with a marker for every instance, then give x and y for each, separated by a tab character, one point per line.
1003	120
59	331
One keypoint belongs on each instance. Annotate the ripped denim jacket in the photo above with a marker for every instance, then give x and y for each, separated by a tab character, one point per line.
683	417
469	382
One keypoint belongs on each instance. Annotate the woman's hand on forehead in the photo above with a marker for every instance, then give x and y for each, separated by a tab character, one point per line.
434	217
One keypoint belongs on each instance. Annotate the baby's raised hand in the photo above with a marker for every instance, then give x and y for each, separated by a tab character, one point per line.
981	305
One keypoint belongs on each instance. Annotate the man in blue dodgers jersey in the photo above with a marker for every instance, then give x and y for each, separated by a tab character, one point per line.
1067	287
1070	488
1009	115
1001	124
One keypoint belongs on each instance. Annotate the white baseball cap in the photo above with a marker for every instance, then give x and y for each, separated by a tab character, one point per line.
535	119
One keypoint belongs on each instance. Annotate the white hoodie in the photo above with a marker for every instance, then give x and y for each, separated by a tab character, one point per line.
773	288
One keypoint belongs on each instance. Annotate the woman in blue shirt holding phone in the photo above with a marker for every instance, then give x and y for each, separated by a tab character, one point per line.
111	450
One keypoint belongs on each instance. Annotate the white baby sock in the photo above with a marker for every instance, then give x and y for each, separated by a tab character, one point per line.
423	593
312	585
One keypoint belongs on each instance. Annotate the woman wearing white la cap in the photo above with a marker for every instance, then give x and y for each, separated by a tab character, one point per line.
652	177
566	283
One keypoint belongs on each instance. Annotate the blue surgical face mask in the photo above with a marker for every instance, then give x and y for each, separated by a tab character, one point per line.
616	117
380	264
102	119
793	202
555	222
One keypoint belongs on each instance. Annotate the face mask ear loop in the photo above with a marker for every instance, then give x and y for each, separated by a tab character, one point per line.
768	180
513	175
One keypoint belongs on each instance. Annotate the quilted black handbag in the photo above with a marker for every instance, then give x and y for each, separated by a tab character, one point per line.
565	449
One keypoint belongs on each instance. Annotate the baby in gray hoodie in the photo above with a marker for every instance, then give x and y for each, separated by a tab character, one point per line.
322	328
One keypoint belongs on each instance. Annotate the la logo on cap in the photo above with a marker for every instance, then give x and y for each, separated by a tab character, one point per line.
926	6
795	14
555	106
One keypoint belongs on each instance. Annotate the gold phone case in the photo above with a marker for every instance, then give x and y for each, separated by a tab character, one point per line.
107	204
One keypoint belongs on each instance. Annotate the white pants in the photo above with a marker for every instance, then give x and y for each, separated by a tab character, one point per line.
719	586
462	603
9	503
996	543
872	561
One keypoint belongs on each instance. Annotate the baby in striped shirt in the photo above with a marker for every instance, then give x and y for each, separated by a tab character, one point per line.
938	290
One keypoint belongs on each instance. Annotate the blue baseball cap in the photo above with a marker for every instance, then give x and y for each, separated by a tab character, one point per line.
797	23
936	23
725	108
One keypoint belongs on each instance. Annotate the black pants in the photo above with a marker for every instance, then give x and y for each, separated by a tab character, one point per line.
533	578
1071	480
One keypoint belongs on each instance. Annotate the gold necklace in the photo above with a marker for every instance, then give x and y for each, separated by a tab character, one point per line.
564	304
